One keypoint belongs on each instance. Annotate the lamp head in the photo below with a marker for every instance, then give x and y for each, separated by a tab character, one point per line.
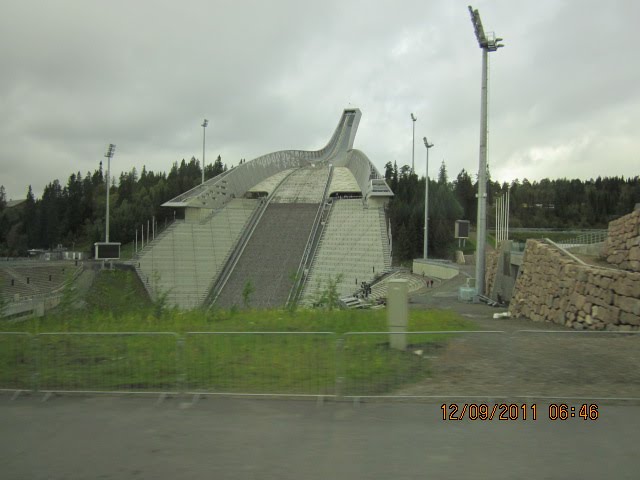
110	150
413	117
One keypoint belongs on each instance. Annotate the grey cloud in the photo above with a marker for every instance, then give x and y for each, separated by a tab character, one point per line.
273	75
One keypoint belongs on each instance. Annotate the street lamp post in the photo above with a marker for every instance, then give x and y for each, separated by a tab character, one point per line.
413	143
426	200
110	151
487	44
204	128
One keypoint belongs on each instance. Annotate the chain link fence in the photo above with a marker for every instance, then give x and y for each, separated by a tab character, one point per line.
575	363
275	363
107	362
489	364
17	361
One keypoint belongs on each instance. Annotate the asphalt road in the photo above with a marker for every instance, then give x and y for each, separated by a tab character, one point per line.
134	437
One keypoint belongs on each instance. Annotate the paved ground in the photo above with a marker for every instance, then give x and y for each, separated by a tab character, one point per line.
121	438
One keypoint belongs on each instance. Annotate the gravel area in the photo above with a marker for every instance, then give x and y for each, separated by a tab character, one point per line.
529	359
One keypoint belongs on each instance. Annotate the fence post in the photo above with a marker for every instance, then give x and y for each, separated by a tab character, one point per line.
181	365
35	380
339	368
397	313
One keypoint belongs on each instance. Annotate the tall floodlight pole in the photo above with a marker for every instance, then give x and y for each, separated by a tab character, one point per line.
426	200
110	151
487	44
413	143
204	129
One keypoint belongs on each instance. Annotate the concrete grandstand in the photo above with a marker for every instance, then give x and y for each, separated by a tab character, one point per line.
280	226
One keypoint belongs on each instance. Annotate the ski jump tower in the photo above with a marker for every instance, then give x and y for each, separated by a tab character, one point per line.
278	228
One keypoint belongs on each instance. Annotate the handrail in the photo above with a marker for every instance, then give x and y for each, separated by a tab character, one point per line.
588	238
218	282
236	253
576	259
296	288
159	236
386	235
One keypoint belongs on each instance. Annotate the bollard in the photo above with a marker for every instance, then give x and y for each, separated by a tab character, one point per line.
397	313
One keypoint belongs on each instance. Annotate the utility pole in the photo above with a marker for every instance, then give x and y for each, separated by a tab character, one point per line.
413	144
110	151
204	129
487	44
426	200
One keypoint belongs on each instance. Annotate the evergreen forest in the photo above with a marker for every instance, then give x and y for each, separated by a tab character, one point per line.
72	214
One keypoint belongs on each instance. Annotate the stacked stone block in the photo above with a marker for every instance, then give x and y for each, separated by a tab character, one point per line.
554	287
622	247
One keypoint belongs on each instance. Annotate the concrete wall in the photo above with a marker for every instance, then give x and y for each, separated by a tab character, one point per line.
433	269
195	215
490	272
554	287
501	272
622	247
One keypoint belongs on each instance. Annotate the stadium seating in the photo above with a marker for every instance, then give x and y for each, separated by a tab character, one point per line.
353	246
28	278
184	261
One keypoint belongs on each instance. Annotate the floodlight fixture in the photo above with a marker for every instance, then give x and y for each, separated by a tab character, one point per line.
111	149
489	43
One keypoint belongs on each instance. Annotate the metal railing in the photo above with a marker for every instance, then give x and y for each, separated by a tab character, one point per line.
310	247
236	252
106	362
589	238
255	363
526	364
17	359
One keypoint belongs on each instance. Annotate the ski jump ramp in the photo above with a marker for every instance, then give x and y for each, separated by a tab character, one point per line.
285	242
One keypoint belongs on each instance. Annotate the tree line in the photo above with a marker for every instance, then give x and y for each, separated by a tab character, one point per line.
73	213
559	203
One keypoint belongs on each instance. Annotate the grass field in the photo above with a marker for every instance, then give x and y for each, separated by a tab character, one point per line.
213	351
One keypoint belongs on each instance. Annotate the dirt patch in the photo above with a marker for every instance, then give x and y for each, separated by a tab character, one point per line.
528	358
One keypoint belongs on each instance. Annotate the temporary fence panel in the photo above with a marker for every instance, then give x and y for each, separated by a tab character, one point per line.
576	363
526	363
278	363
17	365
110	362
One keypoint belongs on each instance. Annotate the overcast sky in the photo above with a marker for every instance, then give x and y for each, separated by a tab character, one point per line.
274	75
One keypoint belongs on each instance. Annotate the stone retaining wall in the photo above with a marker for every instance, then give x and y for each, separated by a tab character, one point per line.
554	287
622	247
